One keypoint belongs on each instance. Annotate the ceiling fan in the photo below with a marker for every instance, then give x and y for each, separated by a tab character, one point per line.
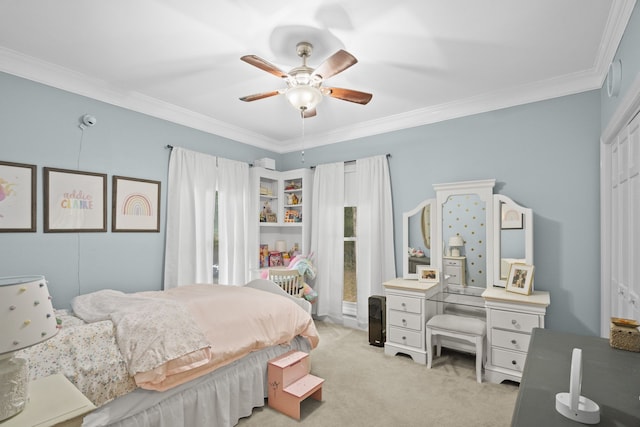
304	84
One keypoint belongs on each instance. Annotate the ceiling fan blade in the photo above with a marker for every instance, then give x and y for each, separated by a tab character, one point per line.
349	95
256	61
309	113
336	63
257	96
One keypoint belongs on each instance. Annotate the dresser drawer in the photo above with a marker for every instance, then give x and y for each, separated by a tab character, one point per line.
452	262
453	273
510	340
514	321
406	304
405	337
508	359
405	320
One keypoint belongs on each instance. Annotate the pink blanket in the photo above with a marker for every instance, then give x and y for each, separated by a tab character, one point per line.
235	321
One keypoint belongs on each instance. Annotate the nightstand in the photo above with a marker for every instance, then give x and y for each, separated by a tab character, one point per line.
53	401
454	267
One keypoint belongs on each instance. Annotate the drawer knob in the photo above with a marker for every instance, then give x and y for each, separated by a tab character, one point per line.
404	322
513	362
404	338
403	304
514	342
514	322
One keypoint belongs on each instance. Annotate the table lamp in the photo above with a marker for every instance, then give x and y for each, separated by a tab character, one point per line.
26	319
455	243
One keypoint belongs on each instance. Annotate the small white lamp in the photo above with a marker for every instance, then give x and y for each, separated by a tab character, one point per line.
455	243
26	319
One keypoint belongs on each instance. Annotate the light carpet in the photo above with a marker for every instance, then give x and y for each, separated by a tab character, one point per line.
364	387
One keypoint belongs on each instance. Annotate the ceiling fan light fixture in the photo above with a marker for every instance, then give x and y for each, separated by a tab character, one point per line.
304	97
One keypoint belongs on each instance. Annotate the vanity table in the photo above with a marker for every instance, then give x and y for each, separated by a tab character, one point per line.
495	230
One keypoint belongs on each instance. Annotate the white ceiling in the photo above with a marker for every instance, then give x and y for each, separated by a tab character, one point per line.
423	60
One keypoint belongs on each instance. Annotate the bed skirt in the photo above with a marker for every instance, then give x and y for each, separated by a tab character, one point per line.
218	399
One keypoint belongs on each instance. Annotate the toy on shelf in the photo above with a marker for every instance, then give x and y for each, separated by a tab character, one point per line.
306	269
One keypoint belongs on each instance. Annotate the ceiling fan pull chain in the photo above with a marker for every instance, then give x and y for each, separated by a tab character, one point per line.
302	117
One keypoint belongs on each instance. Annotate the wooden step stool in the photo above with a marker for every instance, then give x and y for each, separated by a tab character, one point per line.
290	383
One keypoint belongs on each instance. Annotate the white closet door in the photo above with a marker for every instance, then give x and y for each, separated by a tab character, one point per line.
633	231
625	222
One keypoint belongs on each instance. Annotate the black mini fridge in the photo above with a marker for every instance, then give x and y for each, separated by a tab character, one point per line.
377	320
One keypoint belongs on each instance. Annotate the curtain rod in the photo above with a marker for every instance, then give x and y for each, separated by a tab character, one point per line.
170	147
350	161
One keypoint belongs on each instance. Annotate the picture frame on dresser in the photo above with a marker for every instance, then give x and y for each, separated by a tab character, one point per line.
427	274
135	205
17	197
74	201
520	279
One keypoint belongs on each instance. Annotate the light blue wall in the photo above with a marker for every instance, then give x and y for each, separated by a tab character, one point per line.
544	155
39	125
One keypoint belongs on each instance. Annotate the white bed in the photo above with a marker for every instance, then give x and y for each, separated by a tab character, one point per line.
213	395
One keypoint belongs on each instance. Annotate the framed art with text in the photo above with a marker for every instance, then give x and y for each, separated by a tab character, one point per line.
135	205
17	197
74	201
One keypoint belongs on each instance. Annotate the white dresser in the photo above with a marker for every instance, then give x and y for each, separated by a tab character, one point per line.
407	313
510	319
454	267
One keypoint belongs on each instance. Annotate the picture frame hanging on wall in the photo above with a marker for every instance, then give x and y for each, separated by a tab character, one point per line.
520	279
74	201
135	205
511	219
17	197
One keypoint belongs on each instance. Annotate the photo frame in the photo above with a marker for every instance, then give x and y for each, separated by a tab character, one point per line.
17	197
74	201
427	274
511	219
135	205
520	279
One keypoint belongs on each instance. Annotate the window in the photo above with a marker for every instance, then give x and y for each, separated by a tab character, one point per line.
216	247
350	282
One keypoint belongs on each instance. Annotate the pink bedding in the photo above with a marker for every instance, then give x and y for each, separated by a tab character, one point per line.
266	319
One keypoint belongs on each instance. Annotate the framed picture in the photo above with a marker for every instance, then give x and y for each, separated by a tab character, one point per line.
135	205
17	197
271	217
511	219
427	273
275	259
520	279
74	201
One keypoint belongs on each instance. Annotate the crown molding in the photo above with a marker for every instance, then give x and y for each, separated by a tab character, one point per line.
547	89
49	74
59	77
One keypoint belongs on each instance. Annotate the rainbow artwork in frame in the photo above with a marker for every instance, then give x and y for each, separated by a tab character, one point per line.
135	205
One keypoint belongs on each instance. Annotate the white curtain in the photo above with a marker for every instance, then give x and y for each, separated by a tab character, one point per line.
191	194
327	238
374	230
233	212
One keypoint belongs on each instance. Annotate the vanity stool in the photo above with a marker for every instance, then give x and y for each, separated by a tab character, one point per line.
465	328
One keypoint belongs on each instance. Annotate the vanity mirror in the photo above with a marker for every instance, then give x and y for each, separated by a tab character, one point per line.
418	231
513	236
465	210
